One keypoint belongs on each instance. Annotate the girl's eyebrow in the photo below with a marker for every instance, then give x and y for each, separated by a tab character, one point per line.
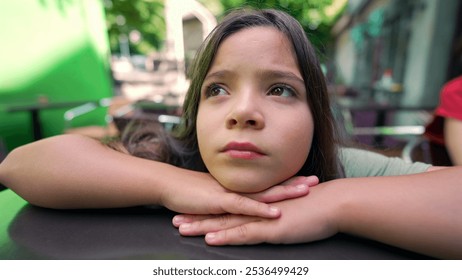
265	74
220	74
278	74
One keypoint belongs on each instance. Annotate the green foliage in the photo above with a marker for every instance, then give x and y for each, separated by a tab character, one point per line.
125	17
312	15
147	17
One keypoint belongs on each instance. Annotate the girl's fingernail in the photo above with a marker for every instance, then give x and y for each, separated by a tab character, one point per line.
210	236
274	210
185	226
178	219
301	186
311	180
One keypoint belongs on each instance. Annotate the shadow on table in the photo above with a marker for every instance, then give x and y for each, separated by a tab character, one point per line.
147	233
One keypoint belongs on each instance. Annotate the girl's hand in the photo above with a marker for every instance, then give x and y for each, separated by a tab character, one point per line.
204	195
292	188
303	219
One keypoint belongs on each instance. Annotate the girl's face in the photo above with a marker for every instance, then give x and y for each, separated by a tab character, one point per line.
254	126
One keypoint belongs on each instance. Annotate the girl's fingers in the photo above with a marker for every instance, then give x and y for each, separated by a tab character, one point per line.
220	222
241	205
184	218
292	188
281	192
245	234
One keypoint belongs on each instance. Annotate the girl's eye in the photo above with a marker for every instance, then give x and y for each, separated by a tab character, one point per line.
215	90
282	90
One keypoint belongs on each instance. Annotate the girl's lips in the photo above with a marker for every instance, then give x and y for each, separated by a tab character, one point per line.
242	150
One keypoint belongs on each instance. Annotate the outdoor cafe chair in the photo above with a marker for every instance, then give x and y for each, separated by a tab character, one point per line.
113	106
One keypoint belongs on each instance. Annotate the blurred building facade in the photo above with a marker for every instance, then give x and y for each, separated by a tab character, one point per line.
188	23
162	78
415	44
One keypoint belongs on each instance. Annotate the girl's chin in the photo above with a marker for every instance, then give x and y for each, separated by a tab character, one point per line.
247	180
236	185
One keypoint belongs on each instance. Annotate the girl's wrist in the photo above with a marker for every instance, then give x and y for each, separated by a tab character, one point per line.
342	203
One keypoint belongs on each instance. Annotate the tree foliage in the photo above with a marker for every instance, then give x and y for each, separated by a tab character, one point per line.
147	17
314	15
125	18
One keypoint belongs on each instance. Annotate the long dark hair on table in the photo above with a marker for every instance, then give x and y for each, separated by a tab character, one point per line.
181	148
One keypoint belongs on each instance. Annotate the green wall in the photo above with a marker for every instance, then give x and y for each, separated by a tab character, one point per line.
53	48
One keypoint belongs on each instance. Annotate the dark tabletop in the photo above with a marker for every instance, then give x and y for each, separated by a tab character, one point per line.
30	232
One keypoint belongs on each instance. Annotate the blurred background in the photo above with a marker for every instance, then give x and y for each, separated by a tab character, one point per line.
89	66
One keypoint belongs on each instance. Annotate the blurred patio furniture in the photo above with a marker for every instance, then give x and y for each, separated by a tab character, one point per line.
146	111
112	105
379	114
35	105
120	112
430	147
424	150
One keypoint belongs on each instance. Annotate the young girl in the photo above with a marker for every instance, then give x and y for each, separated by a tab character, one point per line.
257	132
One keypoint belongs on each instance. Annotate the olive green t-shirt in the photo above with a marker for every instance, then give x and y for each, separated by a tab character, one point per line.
362	163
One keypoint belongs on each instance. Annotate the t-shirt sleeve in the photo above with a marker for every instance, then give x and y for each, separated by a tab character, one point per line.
451	100
362	163
449	107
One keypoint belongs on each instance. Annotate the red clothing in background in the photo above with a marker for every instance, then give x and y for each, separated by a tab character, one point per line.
450	106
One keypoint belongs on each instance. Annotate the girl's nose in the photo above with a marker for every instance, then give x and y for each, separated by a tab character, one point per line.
245	113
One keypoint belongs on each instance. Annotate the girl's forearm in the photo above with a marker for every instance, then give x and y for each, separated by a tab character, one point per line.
70	171
421	212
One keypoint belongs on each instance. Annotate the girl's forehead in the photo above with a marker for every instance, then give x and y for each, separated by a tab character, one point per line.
256	34
262	45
